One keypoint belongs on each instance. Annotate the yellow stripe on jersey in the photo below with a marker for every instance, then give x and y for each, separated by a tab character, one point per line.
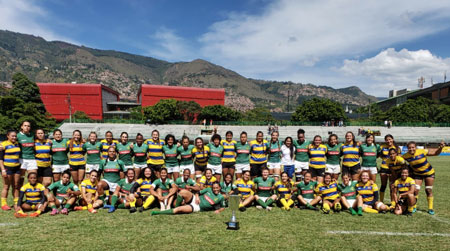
367	191
245	188
395	165
106	145
145	185
89	186
201	157
283	189
42	152
327	192
317	156
258	152
384	151
12	153
32	193
419	162
155	152
76	154
229	151
207	183
404	185
350	155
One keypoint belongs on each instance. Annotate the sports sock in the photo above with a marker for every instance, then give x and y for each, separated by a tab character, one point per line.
290	202
38	212
370	210
352	211
241	205
261	202
53	207
284	203
16	200
4	203
170	211
430	202
122	206
269	202
326	207
67	206
178	201
410	209
20	212
89	206
133	203
360	210
86	208
113	200
309	206
381	196
148	201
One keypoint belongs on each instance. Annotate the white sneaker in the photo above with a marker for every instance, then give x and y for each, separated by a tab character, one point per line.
268	208
259	207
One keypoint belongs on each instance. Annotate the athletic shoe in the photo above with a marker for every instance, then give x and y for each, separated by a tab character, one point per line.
287	208
78	208
431	212
65	211
133	210
92	211
360	212
352	211
54	212
337	207
106	206
409	214
111	209
259	207
268	208
242	209
20	215
6	208
141	209
34	214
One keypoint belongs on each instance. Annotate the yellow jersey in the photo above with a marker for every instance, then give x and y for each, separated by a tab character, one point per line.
317	156
106	145
12	153
33	193
258	152
419	163
201	157
76	154
207	183
404	185
145	185
368	192
42	152
229	151
284	189
89	186
384	154
155	152
395	165
245	188
350	155
327	192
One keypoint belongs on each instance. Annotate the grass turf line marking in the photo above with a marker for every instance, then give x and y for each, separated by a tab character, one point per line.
435	217
388	233
8	224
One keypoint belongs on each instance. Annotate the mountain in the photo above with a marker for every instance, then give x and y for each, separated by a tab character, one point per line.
56	61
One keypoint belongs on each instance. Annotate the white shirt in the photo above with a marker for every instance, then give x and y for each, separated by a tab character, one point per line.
286	159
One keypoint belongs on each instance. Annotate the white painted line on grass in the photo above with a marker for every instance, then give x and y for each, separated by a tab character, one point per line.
8	224
435	217
388	233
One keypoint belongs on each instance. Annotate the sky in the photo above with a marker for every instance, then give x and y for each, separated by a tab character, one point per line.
376	45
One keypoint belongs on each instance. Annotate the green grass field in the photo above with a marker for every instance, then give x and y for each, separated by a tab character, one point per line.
296	229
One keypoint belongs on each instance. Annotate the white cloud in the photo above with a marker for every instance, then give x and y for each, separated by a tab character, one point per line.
291	35
170	46
393	69
25	16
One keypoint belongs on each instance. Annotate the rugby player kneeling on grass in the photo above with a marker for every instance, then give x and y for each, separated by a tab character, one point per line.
36	199
405	200
89	196
367	199
328	191
65	194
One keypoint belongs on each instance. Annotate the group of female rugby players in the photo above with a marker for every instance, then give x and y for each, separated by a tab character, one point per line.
87	174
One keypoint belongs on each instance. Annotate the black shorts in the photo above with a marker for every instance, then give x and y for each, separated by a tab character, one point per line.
256	169
155	168
12	170
422	177
45	172
352	170
229	165
199	168
317	172
385	171
77	167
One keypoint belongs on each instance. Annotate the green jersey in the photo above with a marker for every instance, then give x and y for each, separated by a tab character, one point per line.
185	155
301	151
264	187
59	152
111	169
369	155
334	154
226	188
349	192
93	152
210	201
140	154
125	153
306	190
26	142
60	190
170	155
215	154
163	185
181	183
243	153
125	186
274	152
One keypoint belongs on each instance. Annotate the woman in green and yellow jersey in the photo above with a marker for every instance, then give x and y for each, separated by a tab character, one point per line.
10	166
60	161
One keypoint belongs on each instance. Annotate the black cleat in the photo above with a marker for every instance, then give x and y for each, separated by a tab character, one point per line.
133	210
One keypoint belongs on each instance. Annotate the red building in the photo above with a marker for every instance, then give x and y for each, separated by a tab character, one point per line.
150	94
89	98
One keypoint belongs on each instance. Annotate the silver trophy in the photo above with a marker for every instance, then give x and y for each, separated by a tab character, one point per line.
234	205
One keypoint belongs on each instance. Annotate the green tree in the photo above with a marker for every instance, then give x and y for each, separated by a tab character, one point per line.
25	89
219	113
164	110
413	110
189	109
81	116
258	114
137	113
318	110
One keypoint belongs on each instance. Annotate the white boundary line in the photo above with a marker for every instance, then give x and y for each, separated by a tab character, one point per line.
435	217
389	233
8	224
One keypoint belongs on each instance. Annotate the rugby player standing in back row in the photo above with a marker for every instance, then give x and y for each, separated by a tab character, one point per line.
301	155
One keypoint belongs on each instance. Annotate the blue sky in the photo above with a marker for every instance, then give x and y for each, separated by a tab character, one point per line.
375	45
